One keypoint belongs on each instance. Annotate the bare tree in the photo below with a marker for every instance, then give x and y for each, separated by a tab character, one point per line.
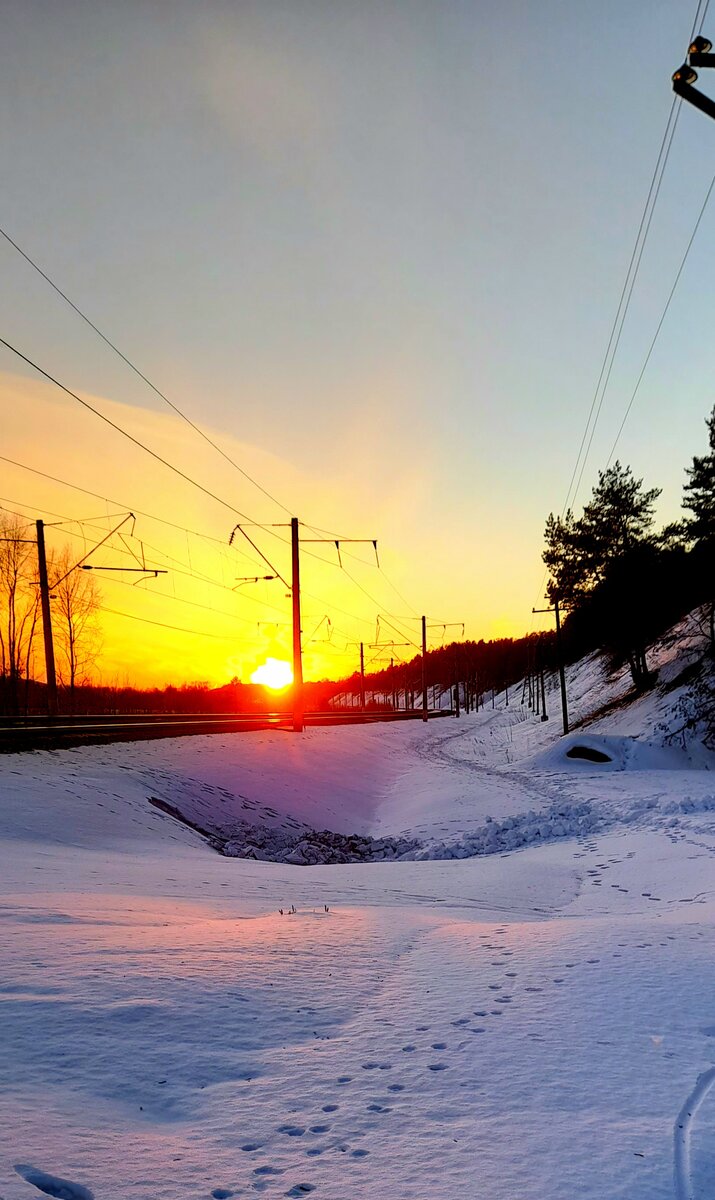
75	624
19	606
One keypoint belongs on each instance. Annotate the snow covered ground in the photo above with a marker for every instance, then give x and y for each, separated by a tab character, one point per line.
534	1022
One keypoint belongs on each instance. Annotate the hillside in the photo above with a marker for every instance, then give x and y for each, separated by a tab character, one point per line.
531	982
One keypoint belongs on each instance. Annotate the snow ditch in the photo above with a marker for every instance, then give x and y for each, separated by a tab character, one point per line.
304	846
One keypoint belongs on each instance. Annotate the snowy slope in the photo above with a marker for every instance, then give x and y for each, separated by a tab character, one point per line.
536	1023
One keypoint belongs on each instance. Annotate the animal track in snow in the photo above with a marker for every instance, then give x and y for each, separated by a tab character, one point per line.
437	1066
292	1130
52	1185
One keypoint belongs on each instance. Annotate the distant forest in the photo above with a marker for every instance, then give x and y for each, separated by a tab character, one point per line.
619	583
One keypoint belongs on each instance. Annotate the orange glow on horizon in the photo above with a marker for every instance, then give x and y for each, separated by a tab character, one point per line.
274	673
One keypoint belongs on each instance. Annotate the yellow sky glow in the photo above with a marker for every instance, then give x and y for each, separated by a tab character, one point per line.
190	624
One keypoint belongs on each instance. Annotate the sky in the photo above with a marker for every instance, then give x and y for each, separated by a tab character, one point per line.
374	250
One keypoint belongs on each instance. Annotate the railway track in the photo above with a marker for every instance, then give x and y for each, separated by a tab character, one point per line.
18	734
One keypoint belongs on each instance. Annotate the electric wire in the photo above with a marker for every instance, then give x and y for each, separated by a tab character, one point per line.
676	108
157	391
626	293
107	500
136	441
163	625
662	319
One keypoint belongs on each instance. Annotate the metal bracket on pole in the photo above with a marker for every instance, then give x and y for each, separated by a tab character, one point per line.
683	79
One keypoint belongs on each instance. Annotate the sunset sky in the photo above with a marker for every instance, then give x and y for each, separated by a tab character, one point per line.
375	251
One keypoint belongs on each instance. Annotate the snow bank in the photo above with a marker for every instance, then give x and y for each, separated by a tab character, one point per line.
579	751
515	833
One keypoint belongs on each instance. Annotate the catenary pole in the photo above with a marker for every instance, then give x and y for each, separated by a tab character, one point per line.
424	668
46	620
297	649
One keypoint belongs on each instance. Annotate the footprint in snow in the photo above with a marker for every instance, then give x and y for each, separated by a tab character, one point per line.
439	1045
52	1185
300	1189
437	1066
330	1107
292	1130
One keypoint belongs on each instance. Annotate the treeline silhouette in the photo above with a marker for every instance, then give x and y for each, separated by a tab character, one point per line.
621	581
231	697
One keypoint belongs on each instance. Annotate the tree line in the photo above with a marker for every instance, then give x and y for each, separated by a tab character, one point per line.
621	581
75	618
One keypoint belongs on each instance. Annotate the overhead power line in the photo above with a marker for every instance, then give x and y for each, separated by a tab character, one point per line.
124	432
625	297
115	612
663	315
125	508
157	391
624	301
130	437
628	284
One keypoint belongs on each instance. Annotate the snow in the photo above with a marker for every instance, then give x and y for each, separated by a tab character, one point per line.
532	1016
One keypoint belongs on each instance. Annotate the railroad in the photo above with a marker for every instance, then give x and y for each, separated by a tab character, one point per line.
20	734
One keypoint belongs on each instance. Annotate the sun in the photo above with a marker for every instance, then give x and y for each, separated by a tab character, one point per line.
274	674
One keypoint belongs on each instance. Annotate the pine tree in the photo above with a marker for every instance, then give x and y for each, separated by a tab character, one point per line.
617	520
699	499
600	562
699	491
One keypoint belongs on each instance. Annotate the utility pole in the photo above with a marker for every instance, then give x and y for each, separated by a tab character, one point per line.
544	714
424	668
362	676
46	620
562	670
297	649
